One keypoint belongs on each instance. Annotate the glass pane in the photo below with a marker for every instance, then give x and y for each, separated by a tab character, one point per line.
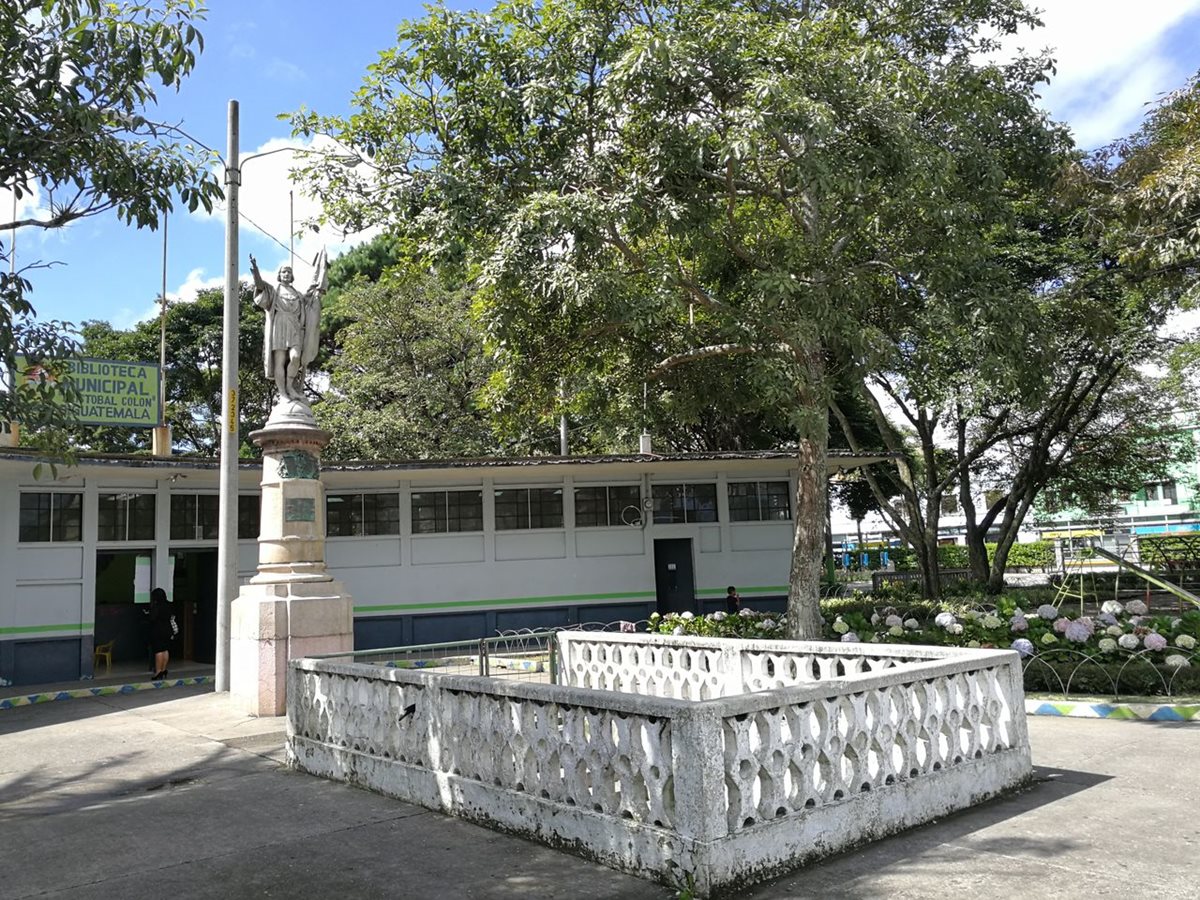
429	512
464	511
183	517
545	508
776	497
702	502
343	515
624	505
743	502
668	503
35	517
208	516
110	517
590	507
68	517
381	514
512	509
248	517
141	517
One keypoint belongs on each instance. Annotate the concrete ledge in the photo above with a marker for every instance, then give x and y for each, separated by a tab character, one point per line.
106	690
1092	709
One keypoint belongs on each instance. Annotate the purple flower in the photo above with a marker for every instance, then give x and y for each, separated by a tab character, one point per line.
850	637
1048	612
1023	647
1019	624
1107	618
1080	631
1155	641
1061	623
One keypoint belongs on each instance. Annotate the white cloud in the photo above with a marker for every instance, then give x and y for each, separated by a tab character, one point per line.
269	215
1111	61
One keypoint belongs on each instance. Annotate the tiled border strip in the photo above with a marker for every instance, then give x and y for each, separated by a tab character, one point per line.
1145	712
102	691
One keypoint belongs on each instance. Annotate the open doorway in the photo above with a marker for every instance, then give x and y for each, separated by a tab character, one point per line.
196	601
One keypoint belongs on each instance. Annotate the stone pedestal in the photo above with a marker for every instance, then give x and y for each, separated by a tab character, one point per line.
292	607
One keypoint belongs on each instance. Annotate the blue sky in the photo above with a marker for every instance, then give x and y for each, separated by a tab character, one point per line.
274	56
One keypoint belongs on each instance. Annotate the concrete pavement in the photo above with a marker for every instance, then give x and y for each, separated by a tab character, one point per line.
172	793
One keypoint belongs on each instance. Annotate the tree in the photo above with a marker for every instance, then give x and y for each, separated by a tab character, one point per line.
710	178
408	373
76	80
192	374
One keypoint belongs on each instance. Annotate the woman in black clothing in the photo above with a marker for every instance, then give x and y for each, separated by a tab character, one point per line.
160	632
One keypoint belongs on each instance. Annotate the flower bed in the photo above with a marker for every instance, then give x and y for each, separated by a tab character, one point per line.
1123	648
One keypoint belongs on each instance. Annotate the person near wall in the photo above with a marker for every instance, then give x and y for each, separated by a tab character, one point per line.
733	601
162	630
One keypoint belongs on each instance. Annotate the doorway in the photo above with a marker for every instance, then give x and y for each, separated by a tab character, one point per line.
195	588
674	578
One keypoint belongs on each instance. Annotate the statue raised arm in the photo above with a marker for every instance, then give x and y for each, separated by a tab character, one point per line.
293	325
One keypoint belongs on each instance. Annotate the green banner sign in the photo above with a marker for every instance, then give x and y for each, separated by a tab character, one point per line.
111	392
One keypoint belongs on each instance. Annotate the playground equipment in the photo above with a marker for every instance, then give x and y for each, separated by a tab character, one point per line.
1150	577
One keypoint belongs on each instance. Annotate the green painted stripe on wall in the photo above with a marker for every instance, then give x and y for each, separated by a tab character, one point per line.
33	629
505	601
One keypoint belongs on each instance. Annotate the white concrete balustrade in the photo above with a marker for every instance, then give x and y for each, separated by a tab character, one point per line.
699	762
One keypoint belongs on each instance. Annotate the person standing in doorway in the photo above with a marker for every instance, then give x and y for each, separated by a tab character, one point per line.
733	601
161	632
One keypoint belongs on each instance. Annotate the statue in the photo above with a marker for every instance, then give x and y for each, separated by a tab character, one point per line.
293	326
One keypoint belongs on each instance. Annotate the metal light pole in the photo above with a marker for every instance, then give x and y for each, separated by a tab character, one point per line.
227	547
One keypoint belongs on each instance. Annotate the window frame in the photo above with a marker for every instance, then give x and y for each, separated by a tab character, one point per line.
125	517
445	513
54	527
612	512
528	506
689	503
365	522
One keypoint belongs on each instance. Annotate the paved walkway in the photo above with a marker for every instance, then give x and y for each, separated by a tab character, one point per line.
172	793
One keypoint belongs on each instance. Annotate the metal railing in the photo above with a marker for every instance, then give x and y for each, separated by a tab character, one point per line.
521	656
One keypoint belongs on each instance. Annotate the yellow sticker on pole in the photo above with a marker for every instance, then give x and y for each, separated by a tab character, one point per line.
232	423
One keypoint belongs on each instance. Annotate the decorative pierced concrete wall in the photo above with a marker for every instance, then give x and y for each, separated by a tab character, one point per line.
790	751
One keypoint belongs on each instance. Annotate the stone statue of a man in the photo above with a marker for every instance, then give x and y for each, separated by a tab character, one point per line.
293	325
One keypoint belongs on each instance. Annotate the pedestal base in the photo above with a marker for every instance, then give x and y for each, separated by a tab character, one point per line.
272	623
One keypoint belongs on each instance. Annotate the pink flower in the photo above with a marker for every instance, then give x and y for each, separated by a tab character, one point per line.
1154	641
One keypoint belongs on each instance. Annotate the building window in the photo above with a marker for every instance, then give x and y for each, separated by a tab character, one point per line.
195	517
760	501
675	503
439	512
47	516
125	517
362	514
249	516
616	504
522	508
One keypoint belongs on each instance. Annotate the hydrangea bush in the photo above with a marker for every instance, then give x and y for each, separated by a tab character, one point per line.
1043	634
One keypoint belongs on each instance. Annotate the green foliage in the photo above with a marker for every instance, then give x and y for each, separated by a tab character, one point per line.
1030	555
76	80
637	190
747	623
411	366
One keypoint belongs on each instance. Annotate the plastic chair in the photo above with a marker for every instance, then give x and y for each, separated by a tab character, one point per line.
103	652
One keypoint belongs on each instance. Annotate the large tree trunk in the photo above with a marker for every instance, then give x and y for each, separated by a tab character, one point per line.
808	544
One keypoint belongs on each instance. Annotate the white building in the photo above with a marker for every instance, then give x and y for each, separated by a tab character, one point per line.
430	551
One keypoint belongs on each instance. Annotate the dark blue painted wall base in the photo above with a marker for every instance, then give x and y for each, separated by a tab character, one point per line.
43	660
372	632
